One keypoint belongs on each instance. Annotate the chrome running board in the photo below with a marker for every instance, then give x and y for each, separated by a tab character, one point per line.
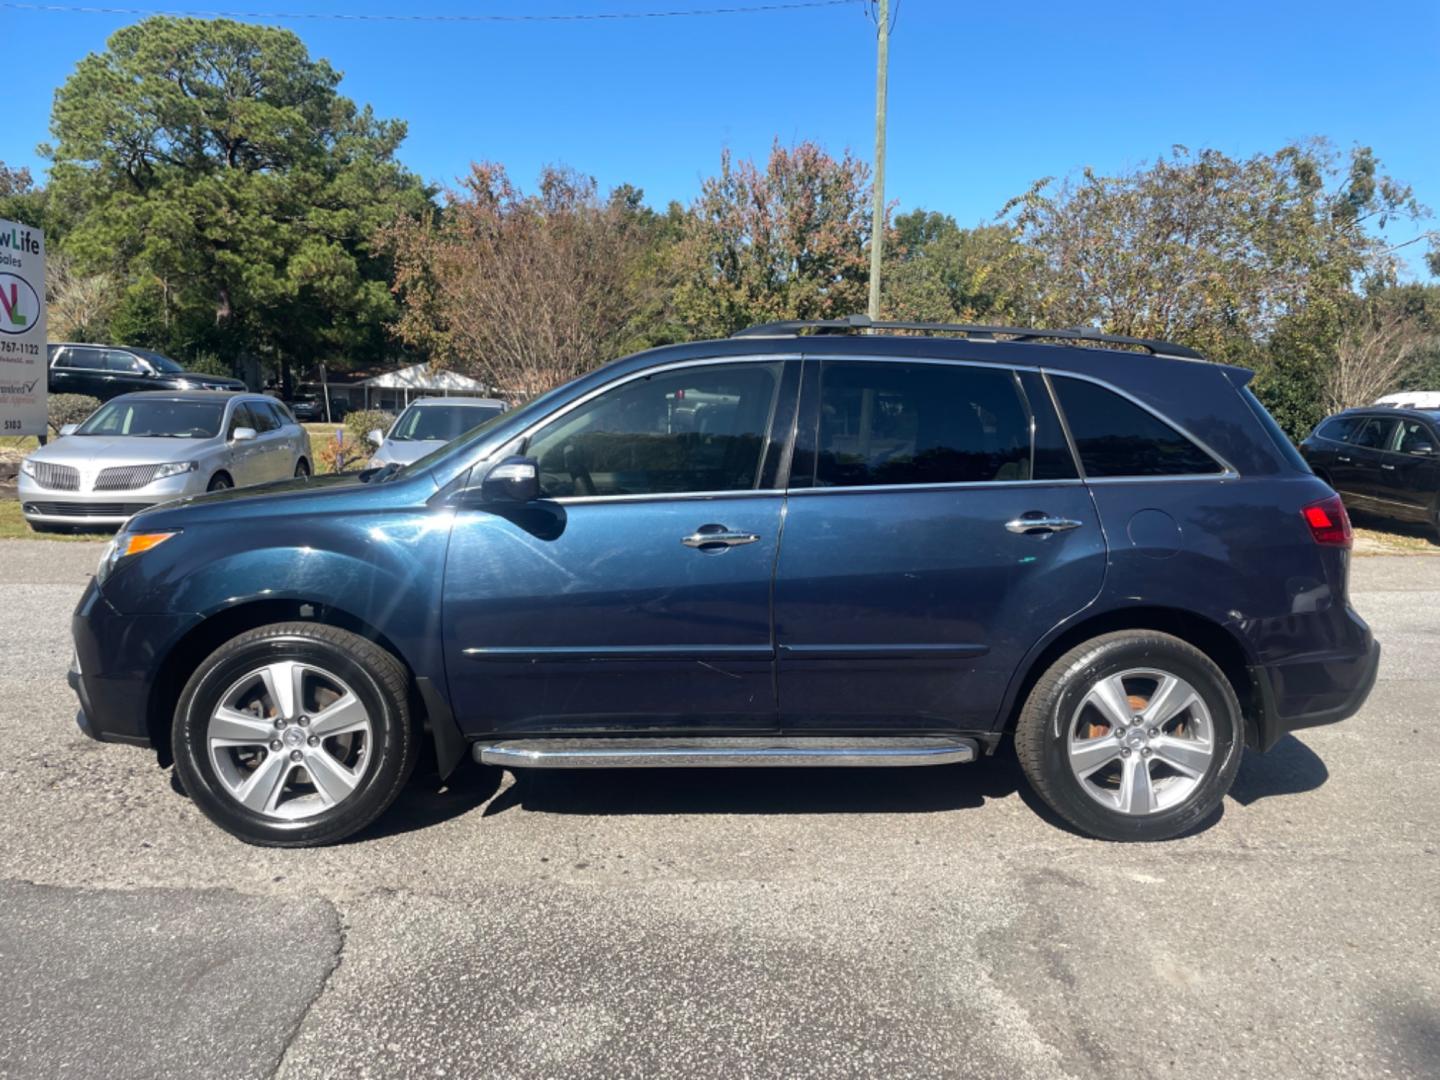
699	753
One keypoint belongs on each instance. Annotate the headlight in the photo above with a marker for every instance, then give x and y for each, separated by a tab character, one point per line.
174	468
27	466
127	544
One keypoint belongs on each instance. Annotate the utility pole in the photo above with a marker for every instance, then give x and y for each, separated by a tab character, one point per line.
877	221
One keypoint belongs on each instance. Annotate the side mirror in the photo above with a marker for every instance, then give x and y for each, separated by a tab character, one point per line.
68	429
242	434
513	480
377	437
1423	449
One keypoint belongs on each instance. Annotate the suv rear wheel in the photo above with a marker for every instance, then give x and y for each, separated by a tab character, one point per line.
294	734
1131	736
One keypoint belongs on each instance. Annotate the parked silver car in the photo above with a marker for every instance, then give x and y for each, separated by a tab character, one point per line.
429	424
140	449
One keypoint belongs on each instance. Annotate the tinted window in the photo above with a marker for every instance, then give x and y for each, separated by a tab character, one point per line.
122	361
442	422
1415	437
264	418
281	413
241	418
1339	428
159	362
1116	437
896	423
93	359
699	429
1375	434
1053	460
142	417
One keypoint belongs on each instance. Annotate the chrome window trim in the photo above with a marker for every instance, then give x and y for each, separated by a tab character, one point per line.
665	496
988	485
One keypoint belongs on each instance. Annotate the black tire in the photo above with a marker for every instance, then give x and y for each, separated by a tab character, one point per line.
220	482
374	676
1042	736
302	469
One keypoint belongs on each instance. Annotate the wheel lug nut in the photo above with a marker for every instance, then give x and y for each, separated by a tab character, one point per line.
275	745
1119	733
1153	732
1145	752
314	740
304	721
295	755
279	721
1125	752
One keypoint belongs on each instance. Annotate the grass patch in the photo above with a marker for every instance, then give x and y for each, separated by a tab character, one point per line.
13	526
1379	536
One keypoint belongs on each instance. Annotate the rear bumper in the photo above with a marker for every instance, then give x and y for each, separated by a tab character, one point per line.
1312	691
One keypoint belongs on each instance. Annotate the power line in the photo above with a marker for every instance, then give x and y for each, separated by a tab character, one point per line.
749	9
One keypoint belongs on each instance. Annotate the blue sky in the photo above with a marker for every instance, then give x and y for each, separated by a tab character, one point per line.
984	98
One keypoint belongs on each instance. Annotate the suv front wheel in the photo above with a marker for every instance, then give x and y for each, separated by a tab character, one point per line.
1133	735
294	734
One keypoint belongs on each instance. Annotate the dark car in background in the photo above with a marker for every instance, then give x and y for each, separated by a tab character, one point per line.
809	544
1382	460
105	371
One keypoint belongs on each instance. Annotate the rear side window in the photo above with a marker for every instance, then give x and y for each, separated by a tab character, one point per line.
901	424
92	359
1375	434
1338	428
1116	437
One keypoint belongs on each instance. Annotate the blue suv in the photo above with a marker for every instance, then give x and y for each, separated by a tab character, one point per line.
820	543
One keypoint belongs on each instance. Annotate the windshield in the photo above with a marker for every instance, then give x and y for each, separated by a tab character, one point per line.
156	419
442	422
158	362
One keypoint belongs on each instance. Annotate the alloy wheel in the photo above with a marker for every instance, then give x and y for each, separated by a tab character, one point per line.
289	740
1140	741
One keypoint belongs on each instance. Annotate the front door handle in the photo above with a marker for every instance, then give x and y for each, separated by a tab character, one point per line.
1343	458
1384	466
1037	522
717	536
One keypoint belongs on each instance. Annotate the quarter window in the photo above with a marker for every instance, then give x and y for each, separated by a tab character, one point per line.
903	424
701	428
1116	437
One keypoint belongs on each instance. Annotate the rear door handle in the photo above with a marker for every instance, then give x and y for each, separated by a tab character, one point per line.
718	536
1036	522
1384	466
1342	457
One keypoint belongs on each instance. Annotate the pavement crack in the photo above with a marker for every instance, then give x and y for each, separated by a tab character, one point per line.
337	958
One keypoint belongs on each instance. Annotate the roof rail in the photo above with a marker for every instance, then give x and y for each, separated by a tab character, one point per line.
855	323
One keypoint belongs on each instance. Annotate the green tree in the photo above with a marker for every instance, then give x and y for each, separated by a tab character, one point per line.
939	272
20	199
788	242
213	167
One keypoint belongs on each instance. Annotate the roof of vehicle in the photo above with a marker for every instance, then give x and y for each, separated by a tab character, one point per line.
191	395
1432	415
854	324
427	402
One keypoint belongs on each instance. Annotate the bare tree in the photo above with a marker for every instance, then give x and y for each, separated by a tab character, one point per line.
522	291
77	306
1374	354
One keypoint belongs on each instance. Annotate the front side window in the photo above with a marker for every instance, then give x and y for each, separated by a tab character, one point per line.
1415	438
1116	437
115	360
893	423
263	418
155	419
697	429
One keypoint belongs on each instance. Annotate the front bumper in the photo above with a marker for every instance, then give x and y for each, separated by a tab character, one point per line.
1312	691
116	661
45	506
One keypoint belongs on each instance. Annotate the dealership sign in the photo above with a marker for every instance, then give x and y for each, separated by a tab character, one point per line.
23	397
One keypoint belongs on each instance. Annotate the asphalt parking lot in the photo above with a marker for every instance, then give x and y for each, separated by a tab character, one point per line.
740	924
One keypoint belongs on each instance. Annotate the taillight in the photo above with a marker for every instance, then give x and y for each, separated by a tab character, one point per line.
1329	523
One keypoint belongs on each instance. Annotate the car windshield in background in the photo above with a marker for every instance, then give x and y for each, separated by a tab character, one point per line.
165	419
442	422
158	362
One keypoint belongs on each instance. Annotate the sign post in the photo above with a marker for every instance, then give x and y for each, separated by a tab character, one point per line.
24	367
